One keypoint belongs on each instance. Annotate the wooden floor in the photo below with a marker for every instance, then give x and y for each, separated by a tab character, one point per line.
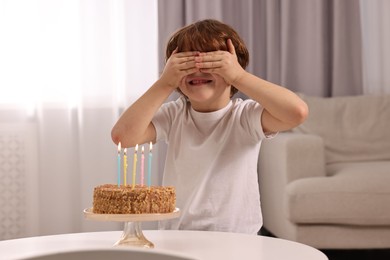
366	254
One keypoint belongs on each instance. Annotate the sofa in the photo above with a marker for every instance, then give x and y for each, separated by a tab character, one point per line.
326	183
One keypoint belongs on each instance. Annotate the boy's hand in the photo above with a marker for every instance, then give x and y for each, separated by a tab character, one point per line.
222	63
178	66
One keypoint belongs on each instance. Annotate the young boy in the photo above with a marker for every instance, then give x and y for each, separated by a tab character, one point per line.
213	141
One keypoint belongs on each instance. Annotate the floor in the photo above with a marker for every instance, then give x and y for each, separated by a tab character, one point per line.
377	254
369	254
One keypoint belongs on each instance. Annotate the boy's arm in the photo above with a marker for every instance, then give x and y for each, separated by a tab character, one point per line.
283	109
134	126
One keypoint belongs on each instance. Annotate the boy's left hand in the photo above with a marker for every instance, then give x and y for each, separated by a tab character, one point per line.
223	63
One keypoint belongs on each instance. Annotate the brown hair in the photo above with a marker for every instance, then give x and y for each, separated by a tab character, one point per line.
205	36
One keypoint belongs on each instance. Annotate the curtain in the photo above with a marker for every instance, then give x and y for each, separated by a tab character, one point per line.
376	39
308	46
68	69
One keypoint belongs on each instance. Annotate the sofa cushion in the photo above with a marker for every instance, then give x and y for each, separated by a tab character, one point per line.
355	194
354	128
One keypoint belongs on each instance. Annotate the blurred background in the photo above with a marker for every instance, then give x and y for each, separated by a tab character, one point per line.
68	68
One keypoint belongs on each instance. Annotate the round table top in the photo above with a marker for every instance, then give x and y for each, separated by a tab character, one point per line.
169	244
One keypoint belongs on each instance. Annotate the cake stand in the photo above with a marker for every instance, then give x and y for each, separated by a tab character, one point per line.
132	234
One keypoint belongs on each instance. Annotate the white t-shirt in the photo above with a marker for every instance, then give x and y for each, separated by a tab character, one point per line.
212	162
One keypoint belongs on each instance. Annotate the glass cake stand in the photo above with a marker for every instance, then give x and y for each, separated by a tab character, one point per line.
132	234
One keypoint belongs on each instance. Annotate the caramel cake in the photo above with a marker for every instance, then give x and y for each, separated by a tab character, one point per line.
111	199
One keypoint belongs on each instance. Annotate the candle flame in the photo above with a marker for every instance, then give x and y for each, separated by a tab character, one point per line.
119	147
142	149
136	149
125	151
150	146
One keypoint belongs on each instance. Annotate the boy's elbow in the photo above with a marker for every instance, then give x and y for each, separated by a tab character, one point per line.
117	135
301	113
125	135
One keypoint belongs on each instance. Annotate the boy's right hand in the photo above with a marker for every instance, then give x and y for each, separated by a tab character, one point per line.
179	65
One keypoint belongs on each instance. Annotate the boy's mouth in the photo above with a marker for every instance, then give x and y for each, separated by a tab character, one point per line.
195	82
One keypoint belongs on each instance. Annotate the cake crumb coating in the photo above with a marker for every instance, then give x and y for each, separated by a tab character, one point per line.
111	199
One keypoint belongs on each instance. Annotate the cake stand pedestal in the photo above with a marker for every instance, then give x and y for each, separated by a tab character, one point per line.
132	233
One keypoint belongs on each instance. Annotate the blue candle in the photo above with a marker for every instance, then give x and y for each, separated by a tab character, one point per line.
119	164
150	165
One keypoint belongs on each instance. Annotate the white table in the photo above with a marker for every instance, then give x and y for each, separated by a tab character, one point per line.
168	245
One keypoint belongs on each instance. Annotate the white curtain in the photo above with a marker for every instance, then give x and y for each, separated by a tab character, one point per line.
375	21
67	70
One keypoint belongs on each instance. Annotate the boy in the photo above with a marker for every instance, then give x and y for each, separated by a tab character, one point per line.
213	141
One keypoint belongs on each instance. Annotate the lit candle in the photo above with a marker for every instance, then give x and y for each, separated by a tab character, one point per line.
119	164
125	166
142	166
135	164
150	165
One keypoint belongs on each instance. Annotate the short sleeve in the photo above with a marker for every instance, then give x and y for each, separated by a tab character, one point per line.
163	119
250	119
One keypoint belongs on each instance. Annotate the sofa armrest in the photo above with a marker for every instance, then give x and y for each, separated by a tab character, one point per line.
292	156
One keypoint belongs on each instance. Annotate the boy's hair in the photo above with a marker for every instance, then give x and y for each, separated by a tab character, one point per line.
205	36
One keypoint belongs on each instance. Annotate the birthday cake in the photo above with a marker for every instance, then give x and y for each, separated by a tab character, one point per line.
114	199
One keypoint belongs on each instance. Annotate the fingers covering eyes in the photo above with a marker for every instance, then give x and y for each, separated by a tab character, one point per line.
210	64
